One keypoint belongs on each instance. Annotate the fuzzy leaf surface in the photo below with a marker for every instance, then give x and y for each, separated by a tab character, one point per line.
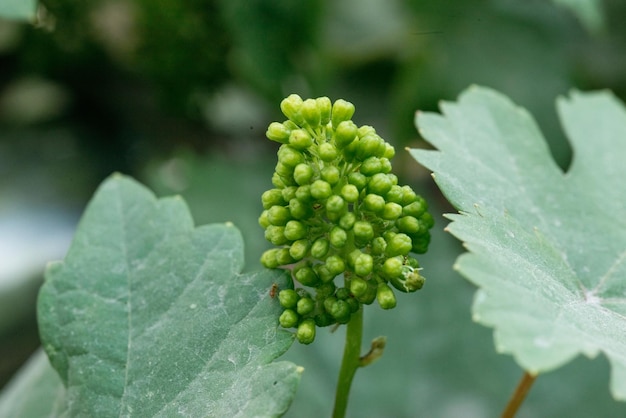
547	249
150	316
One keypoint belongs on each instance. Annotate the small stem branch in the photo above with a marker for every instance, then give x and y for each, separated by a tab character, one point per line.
350	362
519	395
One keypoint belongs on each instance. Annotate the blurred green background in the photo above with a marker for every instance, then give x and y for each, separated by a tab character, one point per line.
179	94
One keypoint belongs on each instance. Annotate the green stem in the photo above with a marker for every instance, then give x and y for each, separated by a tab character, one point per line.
350	362
519	395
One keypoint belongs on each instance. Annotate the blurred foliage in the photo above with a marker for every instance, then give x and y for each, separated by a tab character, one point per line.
18	9
95	86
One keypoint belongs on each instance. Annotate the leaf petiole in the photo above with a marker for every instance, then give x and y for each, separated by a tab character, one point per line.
519	395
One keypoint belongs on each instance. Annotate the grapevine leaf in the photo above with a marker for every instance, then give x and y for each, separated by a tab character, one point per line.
547	249
36	391
149	315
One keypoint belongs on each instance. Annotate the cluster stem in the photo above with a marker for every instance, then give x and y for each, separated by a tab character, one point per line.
350	363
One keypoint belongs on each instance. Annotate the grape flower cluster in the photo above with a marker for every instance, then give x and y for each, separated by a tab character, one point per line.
336	209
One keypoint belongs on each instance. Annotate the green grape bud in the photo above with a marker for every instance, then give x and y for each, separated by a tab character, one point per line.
299	249
330	174
288	319
385	297
277	181
395	195
320	247
354	305
299	210
303	193
342	293
412	262
271	198
358	286
420	244
327	152
276	235
305	306
284	171
335	204
366	130
370	295
325	290
390	151
357	179
283	257
324	319
335	264
415	209
378	246
371	166
353	256
364	265
306	275
408	224
350	193
324	273
338	237
263	221
341	111
400	244
295	230
385	165
329	302
278	215
300	139
288	298
347	221
289	193
289	156
408	197
392	267
325	106
363	231
290	106
392	211
427	220
345	134
303	173
311	113
370	145
306	331
278	132
379	184
321	190
340	310
268	259
374	203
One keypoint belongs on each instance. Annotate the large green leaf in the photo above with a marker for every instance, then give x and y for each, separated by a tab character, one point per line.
150	316
18	9
546	248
